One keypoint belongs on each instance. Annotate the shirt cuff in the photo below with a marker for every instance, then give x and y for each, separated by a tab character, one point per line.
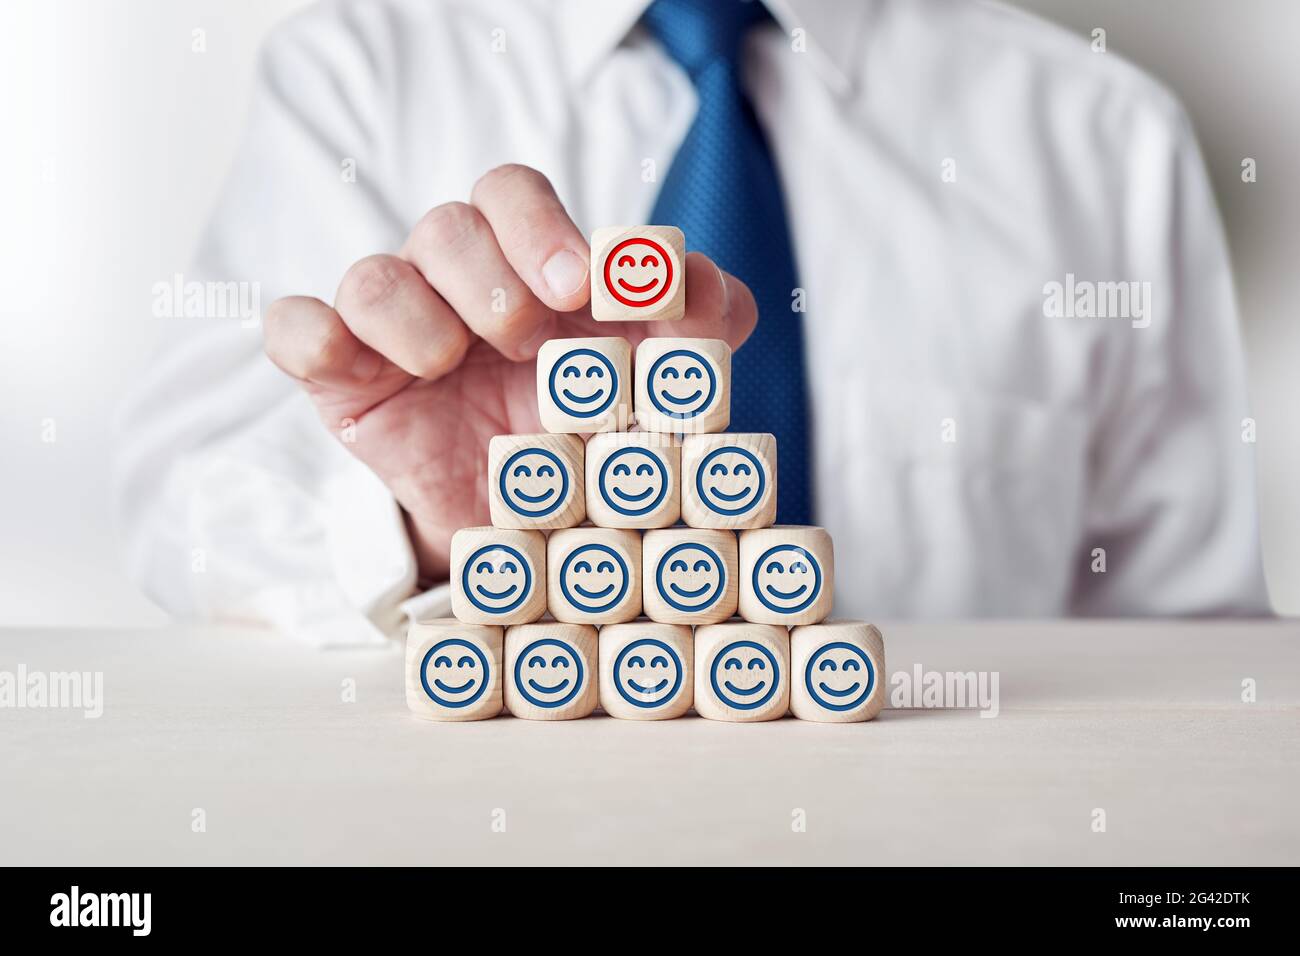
370	551
428	605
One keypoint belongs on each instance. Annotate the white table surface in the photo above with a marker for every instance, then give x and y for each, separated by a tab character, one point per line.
1143	720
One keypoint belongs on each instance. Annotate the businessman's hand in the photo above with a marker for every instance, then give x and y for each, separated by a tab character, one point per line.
431	352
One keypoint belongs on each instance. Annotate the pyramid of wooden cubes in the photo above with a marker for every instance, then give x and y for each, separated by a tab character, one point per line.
640	570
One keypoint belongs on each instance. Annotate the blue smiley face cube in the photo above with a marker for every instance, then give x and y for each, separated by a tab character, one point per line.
536	481
683	386
787	575
498	575
838	671
633	480
690	575
453	670
594	575
729	480
550	671
584	385
742	671
646	670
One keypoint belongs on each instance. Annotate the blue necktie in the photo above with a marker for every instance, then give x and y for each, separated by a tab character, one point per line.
723	192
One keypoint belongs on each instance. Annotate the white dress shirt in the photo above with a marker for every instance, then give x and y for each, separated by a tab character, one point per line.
945	162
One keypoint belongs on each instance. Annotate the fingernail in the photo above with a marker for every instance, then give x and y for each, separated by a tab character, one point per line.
565	272
366	365
726	293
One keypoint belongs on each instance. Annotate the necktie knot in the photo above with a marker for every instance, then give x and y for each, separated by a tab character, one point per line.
699	33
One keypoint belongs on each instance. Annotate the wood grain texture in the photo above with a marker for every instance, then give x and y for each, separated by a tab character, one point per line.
498	575
837	672
647	670
537	481
594	575
729	480
682	386
690	575
742	671
453	670
787	575
638	274
584	385
633	480
551	670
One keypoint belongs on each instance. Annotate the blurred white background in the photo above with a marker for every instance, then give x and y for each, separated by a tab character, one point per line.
118	135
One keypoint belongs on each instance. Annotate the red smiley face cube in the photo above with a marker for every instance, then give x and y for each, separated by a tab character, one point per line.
638	274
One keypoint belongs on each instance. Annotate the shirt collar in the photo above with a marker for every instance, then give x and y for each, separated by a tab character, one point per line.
592	29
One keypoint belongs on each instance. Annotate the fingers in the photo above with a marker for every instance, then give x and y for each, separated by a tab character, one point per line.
507	267
387	304
309	341
455	250
506	261
535	234
718	306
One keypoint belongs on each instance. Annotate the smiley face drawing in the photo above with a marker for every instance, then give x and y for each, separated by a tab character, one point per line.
648	673
691	577
594	578
682	384
839	676
548	673
497	579
787	579
745	675
455	673
583	383
633	481
638	272
730	480
534	482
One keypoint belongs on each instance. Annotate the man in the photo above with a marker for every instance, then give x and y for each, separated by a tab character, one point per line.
994	315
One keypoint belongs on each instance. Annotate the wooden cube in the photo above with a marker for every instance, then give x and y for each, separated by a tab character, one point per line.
536	481
690	575
498	575
453	670
585	385
594	575
551	671
729	481
839	671
638	274
647	670
683	386
633	480
787	575
742	671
